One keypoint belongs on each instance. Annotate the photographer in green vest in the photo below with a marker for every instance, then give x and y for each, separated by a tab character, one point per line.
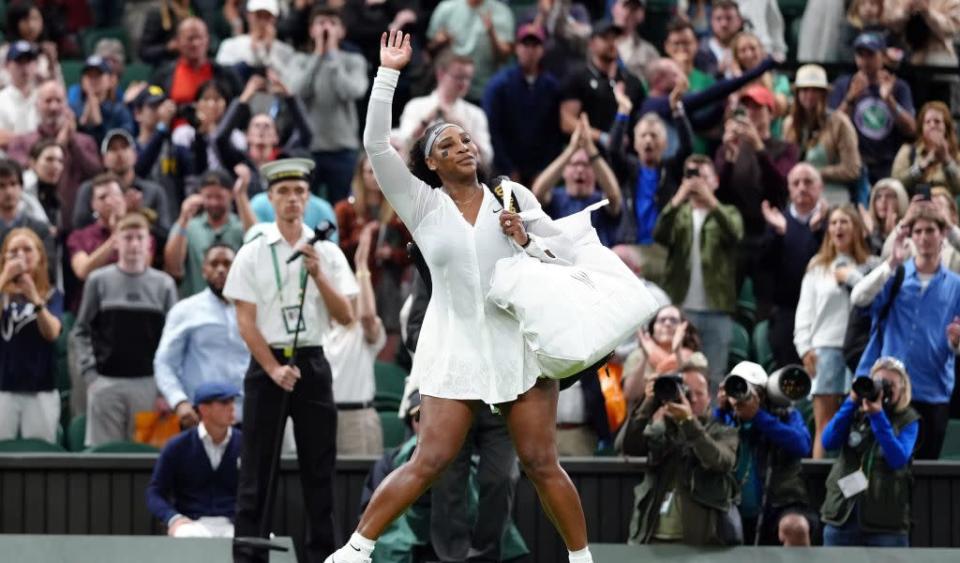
869	488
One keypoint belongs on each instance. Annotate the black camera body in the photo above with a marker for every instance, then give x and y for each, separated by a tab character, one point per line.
869	389
669	388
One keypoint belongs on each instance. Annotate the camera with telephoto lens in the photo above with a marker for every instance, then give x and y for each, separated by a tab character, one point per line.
869	389
669	388
784	387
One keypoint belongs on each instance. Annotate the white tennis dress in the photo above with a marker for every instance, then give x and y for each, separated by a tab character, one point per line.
468	348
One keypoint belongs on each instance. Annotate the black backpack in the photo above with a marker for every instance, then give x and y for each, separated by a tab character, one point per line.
860	328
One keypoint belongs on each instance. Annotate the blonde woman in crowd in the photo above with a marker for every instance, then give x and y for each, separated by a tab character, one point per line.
887	206
823	311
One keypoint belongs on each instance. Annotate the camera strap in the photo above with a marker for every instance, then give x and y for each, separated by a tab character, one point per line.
879	326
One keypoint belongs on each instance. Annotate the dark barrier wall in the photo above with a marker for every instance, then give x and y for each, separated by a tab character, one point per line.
104	494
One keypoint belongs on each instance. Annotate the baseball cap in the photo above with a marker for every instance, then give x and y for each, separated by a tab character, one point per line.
214	391
22	50
152	95
811	76
113	134
96	62
760	95
753	373
870	41
529	30
606	26
265	5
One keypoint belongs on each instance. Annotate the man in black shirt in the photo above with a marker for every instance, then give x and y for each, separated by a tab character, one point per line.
590	89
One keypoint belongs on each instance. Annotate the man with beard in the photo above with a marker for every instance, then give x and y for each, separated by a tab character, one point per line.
590	90
201	341
194	231
143	196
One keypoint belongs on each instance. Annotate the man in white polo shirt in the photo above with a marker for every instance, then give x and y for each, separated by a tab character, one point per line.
267	290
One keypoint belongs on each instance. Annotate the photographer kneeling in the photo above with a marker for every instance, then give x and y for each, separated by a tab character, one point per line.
773	439
869	488
688	488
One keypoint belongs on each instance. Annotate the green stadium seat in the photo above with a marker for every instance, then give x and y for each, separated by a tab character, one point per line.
393	429
122	448
90	36
29	445
77	433
136	72
61	375
390	380
739	350
762	352
951	444
746	313
71	69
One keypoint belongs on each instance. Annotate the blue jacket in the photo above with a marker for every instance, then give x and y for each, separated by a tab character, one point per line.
915	332
115	114
524	122
777	443
897	448
183	481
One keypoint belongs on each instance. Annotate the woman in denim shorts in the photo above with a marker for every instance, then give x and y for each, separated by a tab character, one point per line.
824	308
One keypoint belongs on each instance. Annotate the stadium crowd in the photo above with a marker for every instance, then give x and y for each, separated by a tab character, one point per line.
780	217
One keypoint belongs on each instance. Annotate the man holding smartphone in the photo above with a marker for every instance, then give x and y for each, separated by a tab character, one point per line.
699	233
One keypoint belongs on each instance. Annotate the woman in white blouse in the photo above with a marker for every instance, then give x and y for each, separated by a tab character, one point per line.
823	311
469	352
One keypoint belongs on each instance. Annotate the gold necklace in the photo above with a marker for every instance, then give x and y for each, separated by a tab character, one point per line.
466	201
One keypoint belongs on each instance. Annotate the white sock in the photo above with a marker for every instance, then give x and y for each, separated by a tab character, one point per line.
365	545
581	556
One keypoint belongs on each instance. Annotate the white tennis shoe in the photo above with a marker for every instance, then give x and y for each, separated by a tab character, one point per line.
348	554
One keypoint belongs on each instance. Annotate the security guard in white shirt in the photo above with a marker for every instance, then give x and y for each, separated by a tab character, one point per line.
266	290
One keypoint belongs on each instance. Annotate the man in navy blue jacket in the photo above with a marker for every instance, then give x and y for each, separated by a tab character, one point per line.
772	443
194	485
522	103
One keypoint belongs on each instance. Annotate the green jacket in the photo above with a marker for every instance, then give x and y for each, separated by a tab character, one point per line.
722	231
412	528
697	456
885	505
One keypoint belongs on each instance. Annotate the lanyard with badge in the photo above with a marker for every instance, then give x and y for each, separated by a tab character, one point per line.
857	482
290	313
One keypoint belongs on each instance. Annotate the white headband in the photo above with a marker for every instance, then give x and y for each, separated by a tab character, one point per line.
432	138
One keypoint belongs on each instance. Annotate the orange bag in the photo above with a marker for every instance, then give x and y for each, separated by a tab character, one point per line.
610	375
155	429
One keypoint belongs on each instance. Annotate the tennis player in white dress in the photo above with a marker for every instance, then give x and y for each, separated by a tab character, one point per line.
470	352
